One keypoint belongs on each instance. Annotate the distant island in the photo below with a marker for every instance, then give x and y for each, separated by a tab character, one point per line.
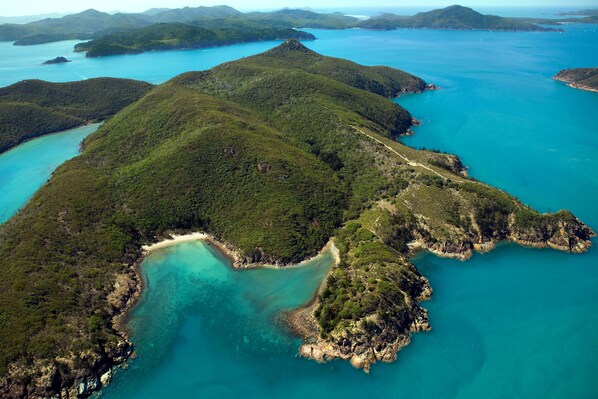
580	78
92	24
32	108
453	17
57	60
169	36
586	12
274	156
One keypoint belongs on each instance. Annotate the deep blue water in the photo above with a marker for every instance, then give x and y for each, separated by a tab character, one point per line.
514	323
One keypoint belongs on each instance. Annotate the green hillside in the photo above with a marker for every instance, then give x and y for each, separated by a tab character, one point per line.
181	36
32	108
273	154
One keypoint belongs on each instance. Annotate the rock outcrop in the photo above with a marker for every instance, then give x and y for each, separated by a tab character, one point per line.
57	60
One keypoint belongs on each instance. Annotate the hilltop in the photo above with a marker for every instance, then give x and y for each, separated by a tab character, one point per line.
580	78
32	108
273	155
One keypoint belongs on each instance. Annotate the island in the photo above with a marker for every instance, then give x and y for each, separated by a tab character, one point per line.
93	24
181	36
33	108
57	60
454	17
579	78
274	156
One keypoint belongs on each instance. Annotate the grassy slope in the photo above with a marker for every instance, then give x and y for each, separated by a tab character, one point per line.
32	108
279	134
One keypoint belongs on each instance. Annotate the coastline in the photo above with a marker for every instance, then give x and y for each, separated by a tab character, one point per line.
582	87
575	85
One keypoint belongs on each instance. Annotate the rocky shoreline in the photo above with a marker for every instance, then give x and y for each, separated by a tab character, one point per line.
362	349
65	380
576	85
579	78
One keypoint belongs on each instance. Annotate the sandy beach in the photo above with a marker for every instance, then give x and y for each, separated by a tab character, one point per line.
176	239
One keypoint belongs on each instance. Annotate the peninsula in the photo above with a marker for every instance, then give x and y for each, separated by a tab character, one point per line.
182	36
580	78
32	108
273	155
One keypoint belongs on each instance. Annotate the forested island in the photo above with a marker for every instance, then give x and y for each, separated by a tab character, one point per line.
169	36
92	24
580	78
32	108
453	17
307	144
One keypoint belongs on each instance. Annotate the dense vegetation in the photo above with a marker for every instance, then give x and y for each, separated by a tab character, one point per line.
181	36
453	17
274	154
32	108
581	77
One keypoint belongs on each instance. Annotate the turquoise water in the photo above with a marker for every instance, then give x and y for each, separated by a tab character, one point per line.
514	323
25	168
24	62
193	292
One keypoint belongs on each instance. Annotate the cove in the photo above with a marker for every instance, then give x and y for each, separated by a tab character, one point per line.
200	325
24	169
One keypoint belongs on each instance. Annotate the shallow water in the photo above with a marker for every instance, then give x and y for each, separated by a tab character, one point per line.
514	323
201	325
25	168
